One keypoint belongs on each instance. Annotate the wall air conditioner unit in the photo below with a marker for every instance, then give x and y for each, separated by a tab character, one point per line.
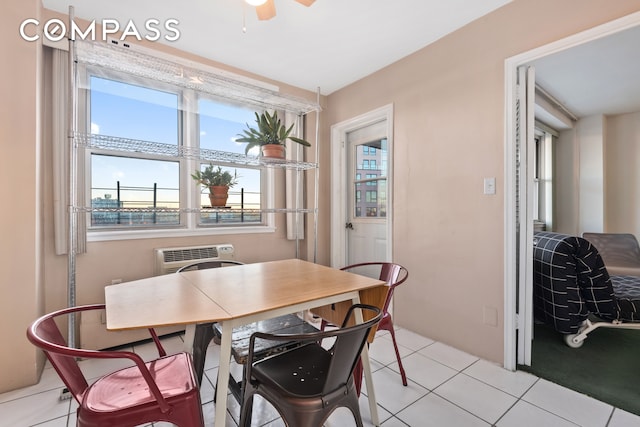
168	260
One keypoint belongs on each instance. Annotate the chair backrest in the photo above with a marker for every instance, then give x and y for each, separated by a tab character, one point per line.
45	334
348	345
346	349
616	249
203	265
393	274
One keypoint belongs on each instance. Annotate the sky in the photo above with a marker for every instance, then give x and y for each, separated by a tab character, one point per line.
135	112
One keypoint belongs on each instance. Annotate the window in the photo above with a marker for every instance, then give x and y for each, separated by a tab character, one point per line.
374	183
372	196
543	178
218	126
152	189
133	181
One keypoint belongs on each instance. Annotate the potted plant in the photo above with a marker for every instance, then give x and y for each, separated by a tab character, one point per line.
217	181
270	135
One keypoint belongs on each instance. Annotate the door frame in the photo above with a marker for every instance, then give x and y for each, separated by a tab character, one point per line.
511	320
339	180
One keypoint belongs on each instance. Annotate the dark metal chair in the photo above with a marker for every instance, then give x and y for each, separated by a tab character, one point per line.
205	332
307	383
164	389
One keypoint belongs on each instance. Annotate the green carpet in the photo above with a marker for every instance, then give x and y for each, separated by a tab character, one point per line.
606	367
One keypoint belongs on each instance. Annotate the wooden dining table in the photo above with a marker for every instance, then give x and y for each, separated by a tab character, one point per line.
236	296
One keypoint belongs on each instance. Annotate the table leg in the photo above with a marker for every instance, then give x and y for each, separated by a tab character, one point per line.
189	336
223	375
366	367
203	336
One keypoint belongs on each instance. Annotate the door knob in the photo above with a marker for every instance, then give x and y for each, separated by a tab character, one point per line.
349	226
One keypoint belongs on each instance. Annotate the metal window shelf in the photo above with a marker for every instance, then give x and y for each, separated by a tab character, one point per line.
186	75
126	145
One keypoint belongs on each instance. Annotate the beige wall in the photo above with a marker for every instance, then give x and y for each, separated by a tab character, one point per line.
449	134
21	175
596	176
622	171
566	183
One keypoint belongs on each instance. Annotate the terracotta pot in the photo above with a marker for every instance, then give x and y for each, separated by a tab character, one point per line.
273	151
218	195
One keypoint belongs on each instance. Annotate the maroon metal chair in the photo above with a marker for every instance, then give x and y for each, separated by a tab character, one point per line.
394	275
164	389
307	383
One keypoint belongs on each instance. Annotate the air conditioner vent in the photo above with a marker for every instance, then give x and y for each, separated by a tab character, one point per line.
168	260
190	254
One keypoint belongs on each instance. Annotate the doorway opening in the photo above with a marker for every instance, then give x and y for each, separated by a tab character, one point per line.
521	209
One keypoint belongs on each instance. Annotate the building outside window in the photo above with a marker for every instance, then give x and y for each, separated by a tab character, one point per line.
370	157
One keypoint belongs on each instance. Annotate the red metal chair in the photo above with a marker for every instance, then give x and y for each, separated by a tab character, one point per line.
164	389
394	275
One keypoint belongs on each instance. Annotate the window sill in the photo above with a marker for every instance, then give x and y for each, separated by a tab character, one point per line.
102	236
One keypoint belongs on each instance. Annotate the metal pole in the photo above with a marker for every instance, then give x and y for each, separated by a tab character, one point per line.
73	196
317	179
242	204
155	202
118	199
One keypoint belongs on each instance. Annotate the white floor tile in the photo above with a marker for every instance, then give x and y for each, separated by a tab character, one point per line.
449	356
524	414
622	418
381	350
425	371
434	411
515	383
57	422
480	399
568	404
411	340
393	422
391	394
33	409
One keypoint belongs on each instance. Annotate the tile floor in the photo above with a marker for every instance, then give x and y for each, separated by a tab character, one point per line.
447	387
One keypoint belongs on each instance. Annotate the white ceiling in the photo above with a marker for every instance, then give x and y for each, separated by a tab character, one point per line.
598	77
328	45
336	42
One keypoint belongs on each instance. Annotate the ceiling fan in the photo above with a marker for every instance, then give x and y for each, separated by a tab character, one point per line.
266	9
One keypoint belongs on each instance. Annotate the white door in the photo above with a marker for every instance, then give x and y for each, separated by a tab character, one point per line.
367	205
361	188
525	144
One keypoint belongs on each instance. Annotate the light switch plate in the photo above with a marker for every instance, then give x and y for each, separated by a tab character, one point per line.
490	185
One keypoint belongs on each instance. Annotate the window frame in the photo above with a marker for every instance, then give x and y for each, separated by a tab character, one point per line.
189	193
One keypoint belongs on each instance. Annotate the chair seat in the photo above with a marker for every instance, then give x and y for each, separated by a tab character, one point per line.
287	324
126	388
298	372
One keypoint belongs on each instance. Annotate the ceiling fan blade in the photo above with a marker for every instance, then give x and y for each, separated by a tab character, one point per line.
266	11
306	2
